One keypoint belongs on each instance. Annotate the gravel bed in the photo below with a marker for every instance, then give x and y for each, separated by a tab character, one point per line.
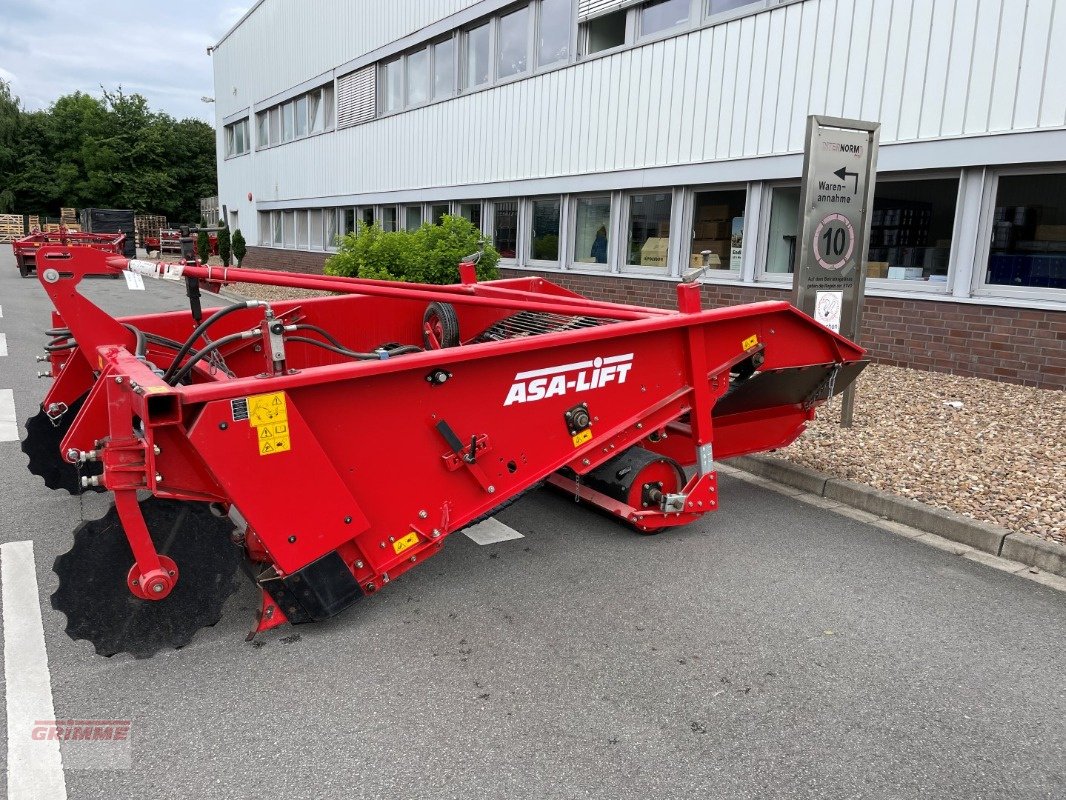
257	291
999	457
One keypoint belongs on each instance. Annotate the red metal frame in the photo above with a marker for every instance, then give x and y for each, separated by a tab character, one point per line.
363	460
26	248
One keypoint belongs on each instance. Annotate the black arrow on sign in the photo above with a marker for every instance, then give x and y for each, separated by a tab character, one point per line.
842	173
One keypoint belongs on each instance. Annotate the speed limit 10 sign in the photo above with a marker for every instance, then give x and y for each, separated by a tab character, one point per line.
839	168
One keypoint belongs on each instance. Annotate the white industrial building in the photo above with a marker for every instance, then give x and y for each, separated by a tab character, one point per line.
603	142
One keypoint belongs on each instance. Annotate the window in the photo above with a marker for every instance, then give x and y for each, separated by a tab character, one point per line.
314	224
910	229
505	228
1028	246
544	238
316	111
287	122
393	89
368	216
301	115
437	212
477	56
662	15
513	43
414	217
236	138
331	227
262	129
289	228
388	219
592	226
471	212
444	68
301	230
649	230
722	6
279	238
348	221
718	226
275	124
606	32
784	230
553	34
418	77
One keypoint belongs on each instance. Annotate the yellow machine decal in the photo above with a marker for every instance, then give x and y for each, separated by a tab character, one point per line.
581	438
750	342
410	540
269	418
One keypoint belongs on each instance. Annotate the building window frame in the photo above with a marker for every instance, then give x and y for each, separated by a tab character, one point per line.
574	201
525	255
980	287
622	242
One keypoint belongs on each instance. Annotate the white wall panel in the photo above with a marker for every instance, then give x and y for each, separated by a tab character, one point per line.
924	68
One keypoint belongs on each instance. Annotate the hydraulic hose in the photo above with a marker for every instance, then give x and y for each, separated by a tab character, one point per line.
344	351
202	353
199	331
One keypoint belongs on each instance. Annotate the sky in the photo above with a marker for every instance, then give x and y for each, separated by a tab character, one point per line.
49	48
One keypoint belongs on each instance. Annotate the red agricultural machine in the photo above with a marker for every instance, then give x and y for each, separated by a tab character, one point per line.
26	248
274	436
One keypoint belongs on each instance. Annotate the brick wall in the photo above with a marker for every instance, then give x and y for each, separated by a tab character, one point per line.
1010	344
286	260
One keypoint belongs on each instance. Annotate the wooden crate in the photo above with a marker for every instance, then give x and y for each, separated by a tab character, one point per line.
68	216
10	227
51	227
34	222
148	225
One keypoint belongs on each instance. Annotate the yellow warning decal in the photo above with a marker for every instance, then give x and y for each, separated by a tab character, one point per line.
266	408
410	540
581	438
750	342
269	418
273	438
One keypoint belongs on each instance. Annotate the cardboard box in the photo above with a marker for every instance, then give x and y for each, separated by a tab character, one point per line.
720	247
712	213
1051	233
905	273
696	260
877	269
717	229
654	252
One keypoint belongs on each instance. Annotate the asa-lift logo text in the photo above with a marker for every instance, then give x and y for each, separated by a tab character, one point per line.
581	376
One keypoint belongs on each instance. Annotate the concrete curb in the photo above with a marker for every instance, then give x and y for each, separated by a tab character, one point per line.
1020	547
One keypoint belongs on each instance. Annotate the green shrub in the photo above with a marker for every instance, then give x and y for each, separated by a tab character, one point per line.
203	246
224	249
240	247
430	254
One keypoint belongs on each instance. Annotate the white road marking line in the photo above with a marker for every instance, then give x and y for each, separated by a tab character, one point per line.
1	312
491	531
9	427
34	766
3	344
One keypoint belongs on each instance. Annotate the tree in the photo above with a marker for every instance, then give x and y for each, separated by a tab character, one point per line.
240	247
430	254
203	246
224	250
110	151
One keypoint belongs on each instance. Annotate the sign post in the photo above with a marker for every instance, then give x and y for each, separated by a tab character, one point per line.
839	174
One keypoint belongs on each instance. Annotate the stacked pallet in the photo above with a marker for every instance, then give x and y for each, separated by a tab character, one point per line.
148	225
34	223
68	217
10	227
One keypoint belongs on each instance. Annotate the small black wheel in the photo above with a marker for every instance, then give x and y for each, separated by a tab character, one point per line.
24	269
441	321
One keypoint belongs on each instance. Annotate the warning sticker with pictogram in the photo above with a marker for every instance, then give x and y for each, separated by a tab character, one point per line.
269	418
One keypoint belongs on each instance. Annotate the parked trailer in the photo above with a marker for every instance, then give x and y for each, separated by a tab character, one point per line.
329	445
27	247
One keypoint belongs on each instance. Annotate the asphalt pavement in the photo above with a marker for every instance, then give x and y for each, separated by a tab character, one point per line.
773	649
